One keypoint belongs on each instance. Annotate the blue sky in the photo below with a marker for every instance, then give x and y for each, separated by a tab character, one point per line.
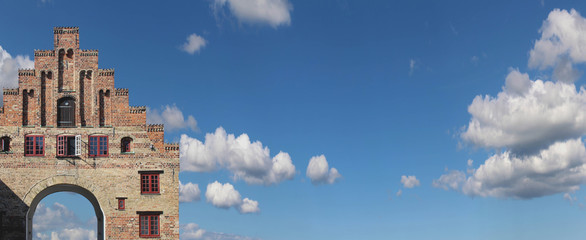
443	120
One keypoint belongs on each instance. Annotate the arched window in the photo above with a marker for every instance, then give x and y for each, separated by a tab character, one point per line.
5	141
126	145
66	112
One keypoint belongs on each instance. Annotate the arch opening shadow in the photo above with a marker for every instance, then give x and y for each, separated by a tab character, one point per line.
65	188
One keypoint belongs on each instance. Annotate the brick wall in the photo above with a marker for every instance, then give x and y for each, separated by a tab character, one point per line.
100	110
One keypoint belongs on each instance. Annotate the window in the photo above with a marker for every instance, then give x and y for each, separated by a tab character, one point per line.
68	146
34	145
66	112
149	183
126	145
98	146
5	141
121	204
149	225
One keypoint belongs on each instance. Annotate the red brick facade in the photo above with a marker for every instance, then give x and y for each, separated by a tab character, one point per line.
37	107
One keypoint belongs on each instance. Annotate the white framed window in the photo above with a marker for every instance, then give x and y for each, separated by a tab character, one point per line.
68	146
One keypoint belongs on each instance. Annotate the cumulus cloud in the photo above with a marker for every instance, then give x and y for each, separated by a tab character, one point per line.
192	231
57	222
409	181
225	196
527	115
272	12
535	127
319	172
559	168
248	206
563	34
172	117
9	68
247	160
453	180
189	192
399	193
194	44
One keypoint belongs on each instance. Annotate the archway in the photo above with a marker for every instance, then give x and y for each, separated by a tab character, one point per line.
65	188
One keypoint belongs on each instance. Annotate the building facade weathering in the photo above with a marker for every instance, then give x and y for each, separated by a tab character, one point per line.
67	128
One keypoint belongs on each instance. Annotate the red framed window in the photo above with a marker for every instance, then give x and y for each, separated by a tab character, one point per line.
149	225
149	183
121	204
34	145
98	146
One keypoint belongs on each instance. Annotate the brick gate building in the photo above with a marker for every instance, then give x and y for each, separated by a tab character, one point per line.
67	128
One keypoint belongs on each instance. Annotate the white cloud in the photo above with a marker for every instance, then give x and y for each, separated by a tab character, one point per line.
563	33
399	193
249	206
412	66
568	197
559	168
171	117
194	44
527	115
319	172
272	12
9	68
222	195
57	222
76	234
189	192
517	83
225	196
451	181
247	160
192	231
409	181
534	126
